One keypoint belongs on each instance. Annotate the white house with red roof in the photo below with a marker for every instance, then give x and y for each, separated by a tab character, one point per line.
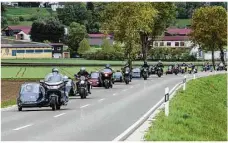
20	32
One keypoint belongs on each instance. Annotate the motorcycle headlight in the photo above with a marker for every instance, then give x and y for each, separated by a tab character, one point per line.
54	87
106	74
82	82
126	72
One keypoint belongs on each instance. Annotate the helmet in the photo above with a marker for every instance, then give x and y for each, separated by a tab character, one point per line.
107	66
55	70
82	69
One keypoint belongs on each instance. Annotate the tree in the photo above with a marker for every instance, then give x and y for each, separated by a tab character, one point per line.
47	29
106	46
73	12
77	33
83	46
125	20
209	28
165	16
3	16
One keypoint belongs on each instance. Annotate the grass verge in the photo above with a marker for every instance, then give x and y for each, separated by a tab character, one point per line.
198	114
8	103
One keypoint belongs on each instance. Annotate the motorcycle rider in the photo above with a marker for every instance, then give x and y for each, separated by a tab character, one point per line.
145	65
107	66
124	69
221	66
159	64
83	72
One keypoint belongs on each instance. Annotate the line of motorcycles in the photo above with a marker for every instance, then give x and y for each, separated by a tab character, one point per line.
55	89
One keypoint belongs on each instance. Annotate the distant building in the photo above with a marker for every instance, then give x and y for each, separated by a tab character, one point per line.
96	40
14	30
13	51
14	4
55	5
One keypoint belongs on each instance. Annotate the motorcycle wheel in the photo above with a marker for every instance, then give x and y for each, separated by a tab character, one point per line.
58	107
19	108
53	104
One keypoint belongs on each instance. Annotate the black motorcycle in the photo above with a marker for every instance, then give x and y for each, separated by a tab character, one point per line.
176	70
127	77
159	71
152	70
145	73
82	87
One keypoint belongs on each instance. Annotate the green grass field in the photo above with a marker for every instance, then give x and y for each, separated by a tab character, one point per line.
198	114
182	22
21	23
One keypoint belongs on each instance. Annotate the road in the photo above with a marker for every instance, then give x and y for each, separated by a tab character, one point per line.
104	115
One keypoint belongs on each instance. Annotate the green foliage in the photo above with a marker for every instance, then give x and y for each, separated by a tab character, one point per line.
77	33
3	16
83	46
48	29
73	12
21	18
15	20
209	28
106	46
197	114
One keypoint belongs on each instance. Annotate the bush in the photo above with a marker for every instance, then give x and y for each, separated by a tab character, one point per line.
33	18
103	55
15	20
21	18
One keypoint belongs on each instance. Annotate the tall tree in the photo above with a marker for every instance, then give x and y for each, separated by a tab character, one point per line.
3	16
77	33
126	20
209	28
73	12
83	46
47	29
165	16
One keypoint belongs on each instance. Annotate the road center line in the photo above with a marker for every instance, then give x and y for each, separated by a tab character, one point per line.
22	127
132	86
125	90
59	115
101	99
114	94
85	106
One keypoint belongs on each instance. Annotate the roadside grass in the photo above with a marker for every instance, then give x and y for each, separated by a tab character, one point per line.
21	23
182	22
198	114
8	103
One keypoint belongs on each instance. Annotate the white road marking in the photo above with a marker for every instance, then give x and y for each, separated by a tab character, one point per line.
85	106
114	94
101	99
132	86
125	90
59	115
22	127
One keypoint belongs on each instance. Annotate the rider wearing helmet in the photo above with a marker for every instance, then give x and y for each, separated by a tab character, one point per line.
124	69
83	72
55	70
145	65
159	64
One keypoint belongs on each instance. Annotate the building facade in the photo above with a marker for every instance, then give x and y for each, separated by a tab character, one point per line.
96	40
14	51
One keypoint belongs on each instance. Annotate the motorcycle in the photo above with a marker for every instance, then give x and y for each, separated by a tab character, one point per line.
152	70
127	76
159	71
182	69
189	70
83	92
55	87
176	70
107	78
145	73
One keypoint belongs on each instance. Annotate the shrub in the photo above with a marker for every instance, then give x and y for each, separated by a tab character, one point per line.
21	18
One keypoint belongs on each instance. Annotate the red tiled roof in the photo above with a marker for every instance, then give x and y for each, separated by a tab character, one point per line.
184	31
25	29
99	35
173	38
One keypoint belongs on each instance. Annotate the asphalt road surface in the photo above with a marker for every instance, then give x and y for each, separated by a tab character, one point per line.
104	115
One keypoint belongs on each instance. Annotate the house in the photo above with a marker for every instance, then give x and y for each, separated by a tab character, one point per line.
174	37
96	40
58	50
11	51
55	5
23	35
13	30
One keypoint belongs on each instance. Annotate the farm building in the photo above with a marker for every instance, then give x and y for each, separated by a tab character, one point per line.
13	30
11	51
96	40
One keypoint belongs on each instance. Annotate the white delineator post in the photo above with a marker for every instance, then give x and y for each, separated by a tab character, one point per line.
166	101
184	87
194	76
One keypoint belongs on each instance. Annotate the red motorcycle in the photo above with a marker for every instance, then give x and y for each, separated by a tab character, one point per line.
106	76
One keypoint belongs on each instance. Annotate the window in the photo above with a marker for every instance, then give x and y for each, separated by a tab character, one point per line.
181	43
156	44
168	43
20	51
161	43
38	51
47	51
177	43
29	51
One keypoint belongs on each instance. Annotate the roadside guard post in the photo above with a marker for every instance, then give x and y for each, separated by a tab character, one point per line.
184	81
167	101
194	76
